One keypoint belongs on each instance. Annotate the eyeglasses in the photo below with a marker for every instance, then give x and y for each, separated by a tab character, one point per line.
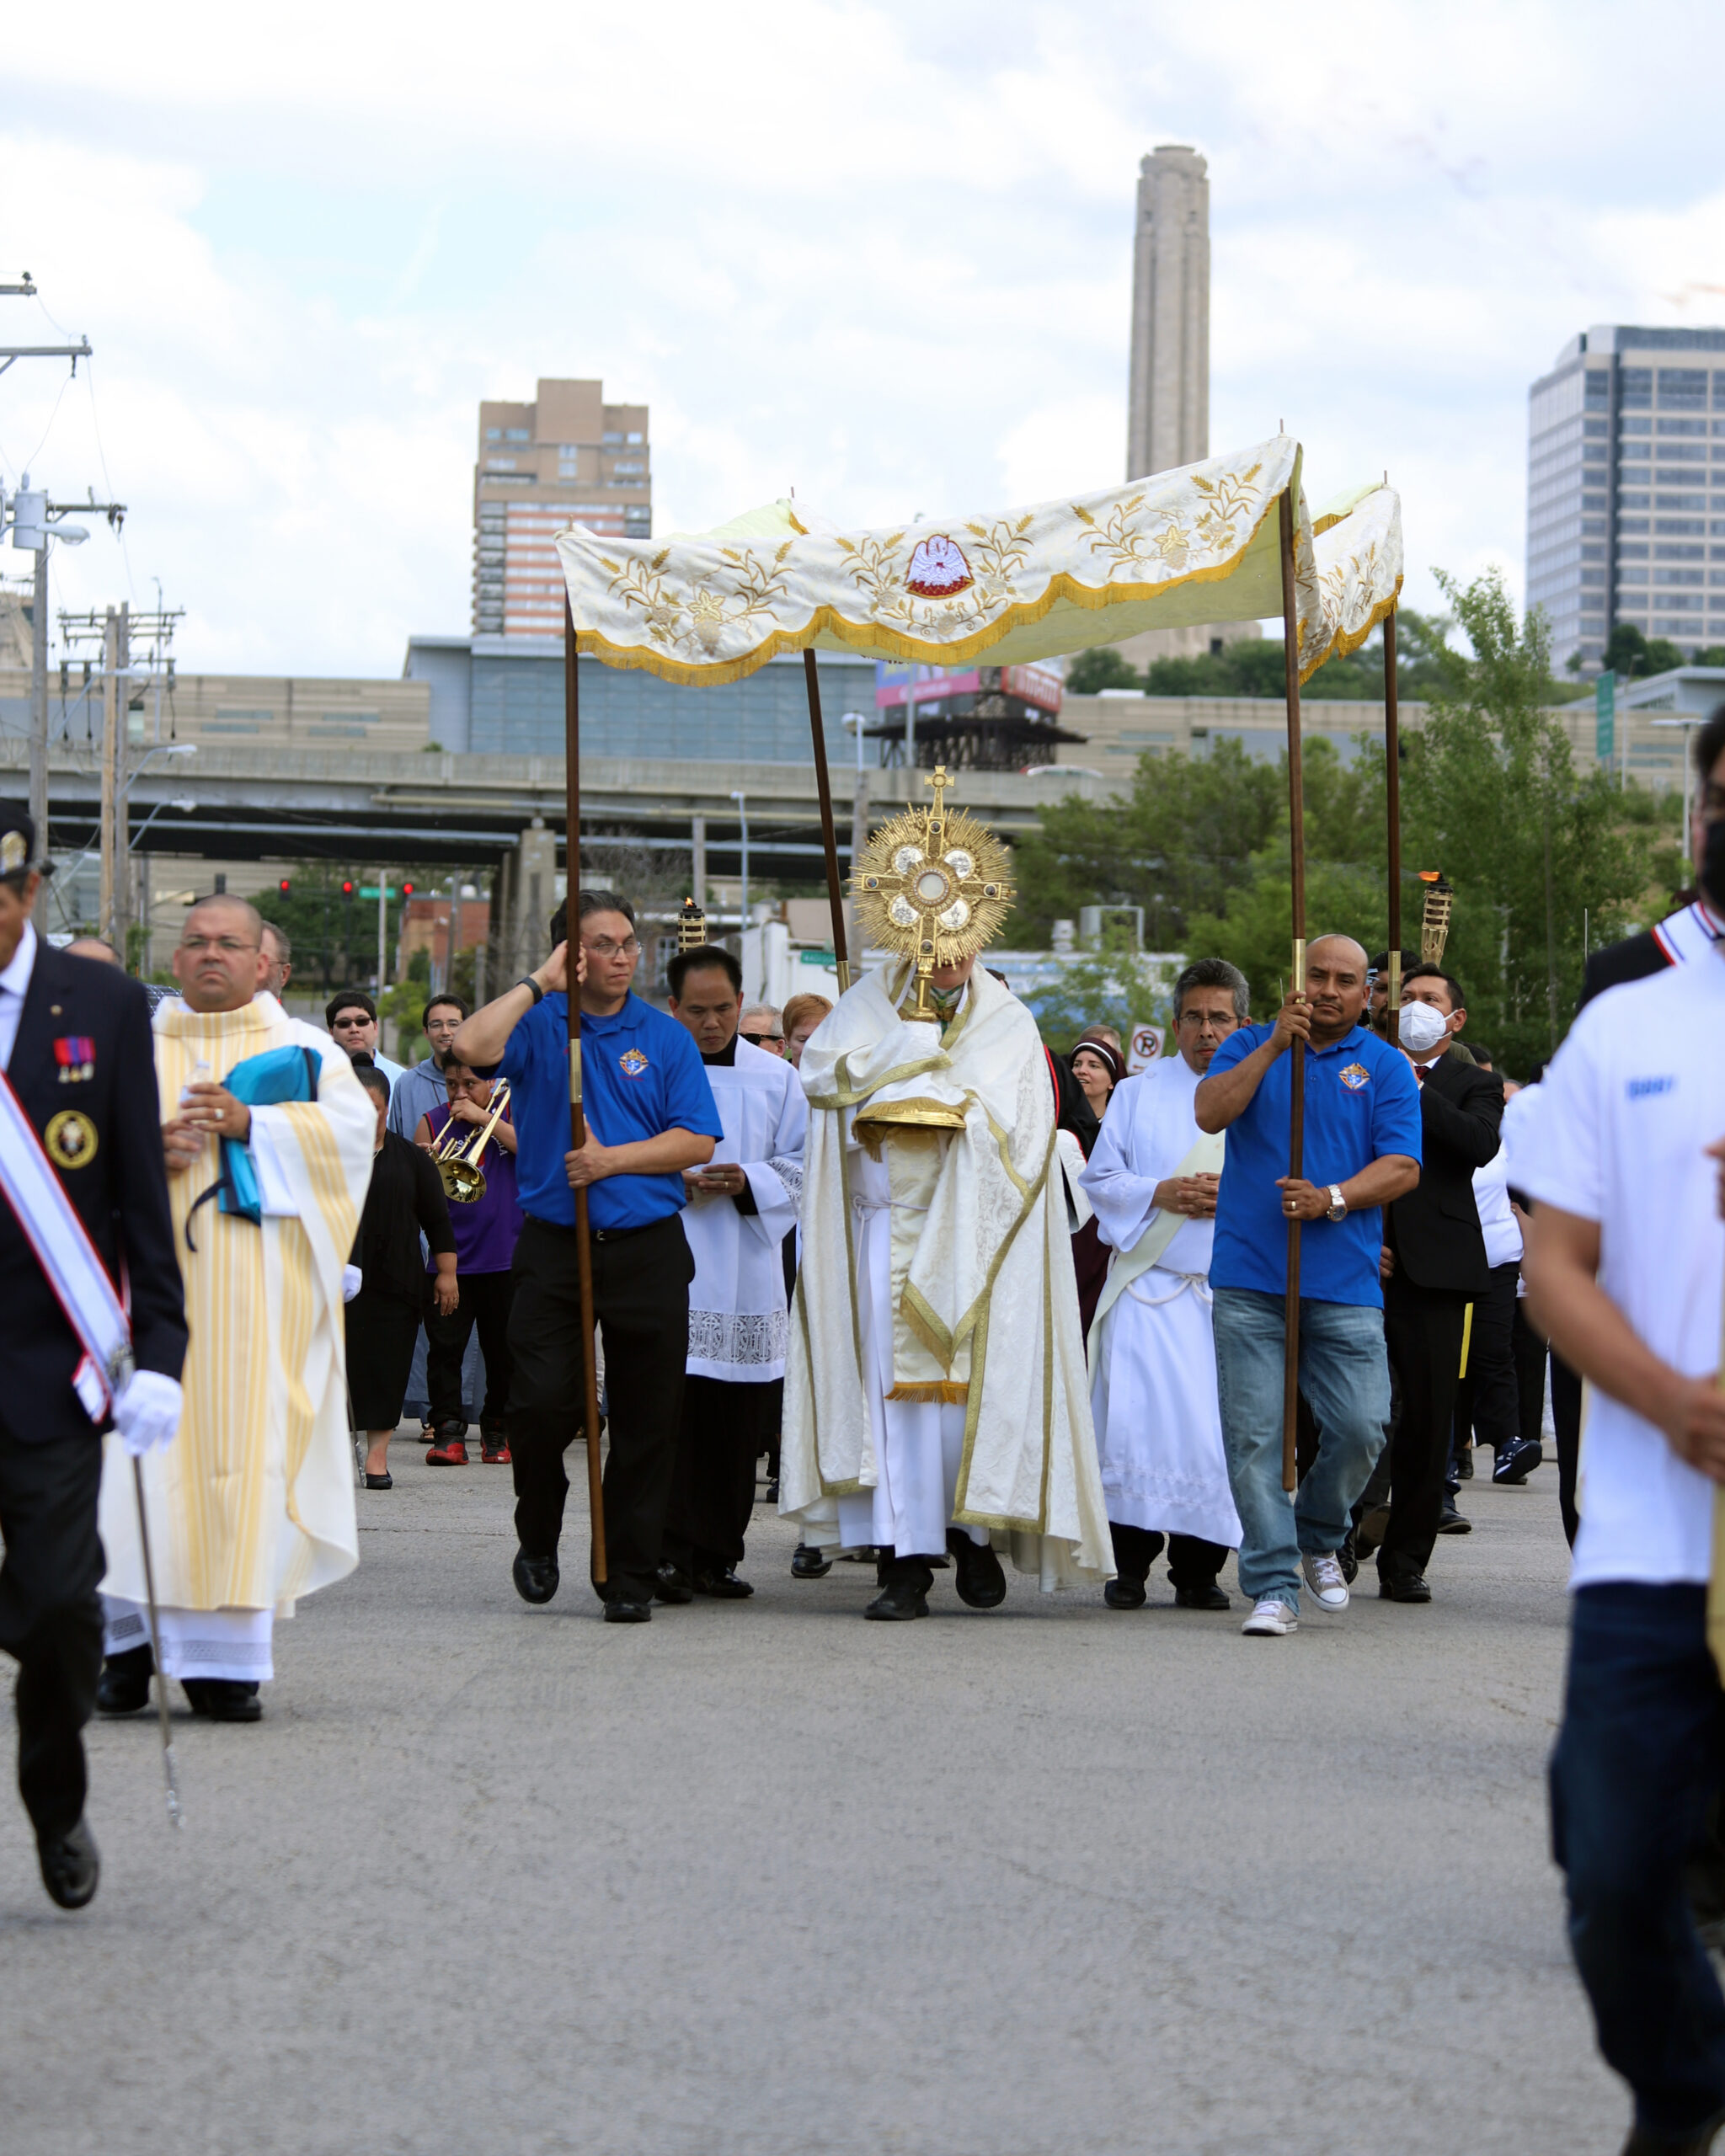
759	1040
602	947
229	945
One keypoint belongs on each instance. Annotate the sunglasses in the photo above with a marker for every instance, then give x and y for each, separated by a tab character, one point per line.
757	1040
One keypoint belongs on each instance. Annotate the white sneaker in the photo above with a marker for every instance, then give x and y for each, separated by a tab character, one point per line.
1271	1618
1323	1576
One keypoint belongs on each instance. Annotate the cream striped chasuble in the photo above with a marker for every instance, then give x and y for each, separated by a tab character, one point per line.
253	1503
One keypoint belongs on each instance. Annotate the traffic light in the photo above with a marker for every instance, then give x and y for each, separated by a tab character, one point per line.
347	890
285	887
406	891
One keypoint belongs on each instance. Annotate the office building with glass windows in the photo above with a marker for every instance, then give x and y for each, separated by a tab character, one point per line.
1625	490
568	458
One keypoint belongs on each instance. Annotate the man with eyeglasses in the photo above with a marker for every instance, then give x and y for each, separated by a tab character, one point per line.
422	1089
761	1028
650	1115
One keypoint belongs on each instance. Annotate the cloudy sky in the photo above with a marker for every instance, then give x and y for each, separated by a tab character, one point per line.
879	252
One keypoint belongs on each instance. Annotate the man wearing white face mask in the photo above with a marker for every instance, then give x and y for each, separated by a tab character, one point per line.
1434	1263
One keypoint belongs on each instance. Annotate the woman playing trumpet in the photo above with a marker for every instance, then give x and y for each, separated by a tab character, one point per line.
473	1143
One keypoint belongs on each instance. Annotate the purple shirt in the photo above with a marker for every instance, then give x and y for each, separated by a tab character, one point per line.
485	1232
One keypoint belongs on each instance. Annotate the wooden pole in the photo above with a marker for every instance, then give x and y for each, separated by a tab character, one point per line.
578	1121
1296	1122
822	784
1392	795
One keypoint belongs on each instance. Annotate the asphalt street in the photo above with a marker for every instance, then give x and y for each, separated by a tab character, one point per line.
762	1877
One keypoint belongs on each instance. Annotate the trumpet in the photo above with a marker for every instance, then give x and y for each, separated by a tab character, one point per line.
458	1156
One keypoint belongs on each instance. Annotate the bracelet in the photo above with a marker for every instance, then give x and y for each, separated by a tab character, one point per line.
532	986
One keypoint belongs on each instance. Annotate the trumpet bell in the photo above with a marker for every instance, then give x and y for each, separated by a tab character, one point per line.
463	1184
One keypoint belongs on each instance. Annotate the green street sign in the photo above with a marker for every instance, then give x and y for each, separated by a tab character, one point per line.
1606	716
372	891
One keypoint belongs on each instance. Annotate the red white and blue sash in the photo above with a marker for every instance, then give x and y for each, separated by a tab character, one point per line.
1686	935
71	1263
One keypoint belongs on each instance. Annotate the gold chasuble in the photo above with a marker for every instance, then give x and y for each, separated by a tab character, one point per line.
253	1503
984	1303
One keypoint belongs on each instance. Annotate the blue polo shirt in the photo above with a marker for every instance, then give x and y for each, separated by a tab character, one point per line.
1361	1101
641	1075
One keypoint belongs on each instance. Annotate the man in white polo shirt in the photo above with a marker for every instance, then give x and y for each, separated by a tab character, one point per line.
1625	1267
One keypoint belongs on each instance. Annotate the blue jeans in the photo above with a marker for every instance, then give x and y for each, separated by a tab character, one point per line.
1344	1374
1641	1753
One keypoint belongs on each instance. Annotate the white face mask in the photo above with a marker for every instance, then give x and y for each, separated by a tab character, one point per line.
1421	1027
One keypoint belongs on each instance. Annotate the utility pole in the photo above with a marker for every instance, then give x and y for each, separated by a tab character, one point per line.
114	848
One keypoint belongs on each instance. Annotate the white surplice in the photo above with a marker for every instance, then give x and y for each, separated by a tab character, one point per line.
1153	1370
737	1310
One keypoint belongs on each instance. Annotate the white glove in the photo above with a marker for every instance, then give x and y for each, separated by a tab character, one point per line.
146	1414
352	1280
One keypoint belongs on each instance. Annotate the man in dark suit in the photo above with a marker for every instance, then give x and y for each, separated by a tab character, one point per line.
1688	933
1435	1262
75	1046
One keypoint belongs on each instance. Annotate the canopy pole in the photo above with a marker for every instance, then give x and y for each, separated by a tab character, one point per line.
829	838
1392	795
578	1120
1297	1119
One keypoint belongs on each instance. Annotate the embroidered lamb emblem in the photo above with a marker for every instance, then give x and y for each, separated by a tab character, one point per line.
938	569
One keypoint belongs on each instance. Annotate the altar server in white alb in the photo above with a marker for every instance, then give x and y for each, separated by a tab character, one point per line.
742	1205
268	1138
1152	1179
935	1399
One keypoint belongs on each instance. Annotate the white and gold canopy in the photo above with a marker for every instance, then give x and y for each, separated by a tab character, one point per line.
1199	544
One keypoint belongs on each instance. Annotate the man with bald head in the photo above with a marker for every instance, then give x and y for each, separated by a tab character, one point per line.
1362	1151
269	1138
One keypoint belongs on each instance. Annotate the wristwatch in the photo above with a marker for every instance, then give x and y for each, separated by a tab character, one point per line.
1337	1209
533	987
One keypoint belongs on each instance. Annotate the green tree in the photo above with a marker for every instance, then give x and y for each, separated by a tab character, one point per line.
1631	656
1102	667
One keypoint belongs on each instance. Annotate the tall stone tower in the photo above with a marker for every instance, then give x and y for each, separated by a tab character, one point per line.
1168	421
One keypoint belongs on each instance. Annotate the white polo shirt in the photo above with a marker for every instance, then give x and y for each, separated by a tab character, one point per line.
1629	1101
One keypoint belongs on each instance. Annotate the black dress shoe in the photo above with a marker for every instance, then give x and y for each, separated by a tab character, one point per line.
536	1577
1348	1557
379	1481
1403	1586
1517	1461
1450	1522
1124	1594
903	1592
222	1699
809	1563
71	1865
981	1581
628	1610
671	1584
1210	1597
722	1586
1464	1462
124	1687
772	1496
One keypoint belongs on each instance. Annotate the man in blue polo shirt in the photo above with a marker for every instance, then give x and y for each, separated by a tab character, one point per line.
1362	1149
650	1114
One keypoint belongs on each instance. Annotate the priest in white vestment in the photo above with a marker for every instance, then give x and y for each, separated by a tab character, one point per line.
1153	1178
935	1399
742	1204
253	1506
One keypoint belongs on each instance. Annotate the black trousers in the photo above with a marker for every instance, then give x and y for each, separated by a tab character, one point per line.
1528	1349
1191	1561
1486	1400
485	1301
641	1300
50	1614
1566	1420
722	1433
1422	1332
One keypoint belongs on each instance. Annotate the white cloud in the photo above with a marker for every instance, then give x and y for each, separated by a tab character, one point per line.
878	253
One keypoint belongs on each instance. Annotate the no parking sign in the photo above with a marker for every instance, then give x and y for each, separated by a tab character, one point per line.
1143	1049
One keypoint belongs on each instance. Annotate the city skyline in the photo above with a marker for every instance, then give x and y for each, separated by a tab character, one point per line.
284	396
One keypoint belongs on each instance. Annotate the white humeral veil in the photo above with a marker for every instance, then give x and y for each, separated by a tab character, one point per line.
945	1266
737	1315
252	1506
1152	1349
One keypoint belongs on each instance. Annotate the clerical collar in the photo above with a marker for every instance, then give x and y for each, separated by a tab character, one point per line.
725	1058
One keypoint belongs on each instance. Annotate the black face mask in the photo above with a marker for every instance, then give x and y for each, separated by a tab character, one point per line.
1713	862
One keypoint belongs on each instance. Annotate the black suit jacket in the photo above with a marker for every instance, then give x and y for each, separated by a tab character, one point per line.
1632	959
119	1192
1434	1229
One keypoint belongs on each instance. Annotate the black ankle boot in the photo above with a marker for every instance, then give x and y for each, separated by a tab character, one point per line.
124	1688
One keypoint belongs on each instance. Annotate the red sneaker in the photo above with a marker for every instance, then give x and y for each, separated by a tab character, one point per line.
452	1454
495	1451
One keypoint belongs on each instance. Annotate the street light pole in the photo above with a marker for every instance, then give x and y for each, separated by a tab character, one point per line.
742	802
